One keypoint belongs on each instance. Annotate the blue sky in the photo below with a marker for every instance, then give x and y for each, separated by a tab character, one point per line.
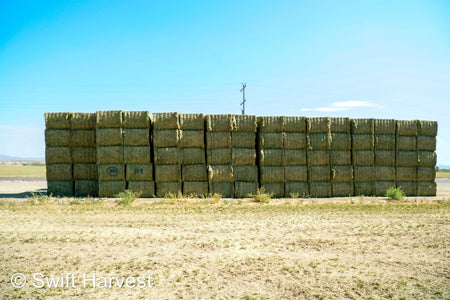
359	59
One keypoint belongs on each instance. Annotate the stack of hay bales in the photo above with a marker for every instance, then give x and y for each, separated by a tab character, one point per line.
384	155
194	173
406	157
243	154
167	156
84	154
318	156
363	156
426	146
137	152
340	158
110	154
58	154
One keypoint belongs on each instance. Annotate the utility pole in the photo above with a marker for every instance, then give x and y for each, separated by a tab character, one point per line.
244	85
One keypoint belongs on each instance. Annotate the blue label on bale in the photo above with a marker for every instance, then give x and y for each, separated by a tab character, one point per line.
138	171
112	171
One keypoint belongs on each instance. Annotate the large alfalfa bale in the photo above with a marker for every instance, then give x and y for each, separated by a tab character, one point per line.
60	188
408	187
220	173
191	156
109	136
426	188
295	140
426	158
219	156
426	174
111	188
296	188
271	157
406	143
164	189
318	125
362	126
295	124
136	154
425	142
408	128
109	154
57	138
191	121
363	157
381	187
363	173
59	120
318	158
384	126
167	173
139	172
83	138
136	119
319	141
362	142
296	173
340	157
294	157
342	189
166	138
341	174
244	123
167	156
83	121
146	188
111	172
59	172
85	171
385	158
384	173
225	189
58	155
341	125
218	140
406	159
245	173
192	139
406	174
86	188
319	173
245	189
270	140
243	140
320	189
427	128
276	190
84	155
364	188
243	157
195	188
340	141
136	136
271	124
219	123
194	172
385	142
166	121
109	119
271	174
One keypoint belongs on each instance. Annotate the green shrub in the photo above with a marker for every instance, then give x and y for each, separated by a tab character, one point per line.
261	196
395	193
127	197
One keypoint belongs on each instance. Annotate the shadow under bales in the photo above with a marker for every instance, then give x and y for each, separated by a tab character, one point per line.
24	194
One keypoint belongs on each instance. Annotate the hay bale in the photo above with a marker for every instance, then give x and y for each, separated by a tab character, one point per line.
319	141
406	143
218	140
136	137
83	138
194	173
362	126
276	190
139	172
319	173
83	121
384	126
341	141
320	189
167	156
59	172
426	158
294	140
407	159
410	188
245	173
384	173
109	154
86	188
271	157
385	142
426	189
363	142
57	138
295	124
110	189
318	125
109	136
318	158
363	157
381	187
364	188
243	123
407	128
243	140
111	172
243	157
84	155
294	157
340	157
385	158
58	155
296	173
271	174
165	121
146	188
271	124
341	174
427	128
136	154
85	172
219	156
164	188
219	123
426	174
220	173
406	174
293	187
270	140
245	189
60	188
342	189
109	119
192	139
58	120
191	122
167	173
190	156
226	189
427	143
136	119
195	188
363	173
340	125
166	138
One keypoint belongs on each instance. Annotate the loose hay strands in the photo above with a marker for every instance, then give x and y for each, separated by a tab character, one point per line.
59	172
85	171
271	157
194	173
362	126
340	157
271	124
57	138
407	159
243	157
111	172
427	128
219	156
109	154
58	155
425	142
192	139
58	120
191	121
342	189
245	189
195	188
164	189
145	188
109	136
406	143
295	188
363	157
319	141
406	174
363	173
166	137
408	128
320	189
295	124
225	189
426	174
426	189
167	156
294	140
136	137
218	140
190	156
271	174
60	188
83	121
139	172
426	158
109	119
245	173
340	141
220	173
296	173
341	174
318	158
319	173
219	123
363	142
274	189
85	154
340	125
384	126
83	138
136	119
166	121
244	123
294	157
167	173
385	142
136	154
365	188
270	140
110	188
318	125
243	140
384	173
85	188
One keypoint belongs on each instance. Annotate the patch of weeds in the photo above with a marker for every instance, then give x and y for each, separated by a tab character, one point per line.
127	197
294	195
39	198
395	193
216	198
261	196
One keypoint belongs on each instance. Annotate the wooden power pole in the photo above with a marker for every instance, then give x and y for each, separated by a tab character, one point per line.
244	85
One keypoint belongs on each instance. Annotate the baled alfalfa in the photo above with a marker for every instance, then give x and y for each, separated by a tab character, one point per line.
384	173
136	155
271	157
245	173
60	188
340	157
319	141
406	143
163	189
384	126
340	125
194	172
243	123
195	188
426	142
136	136
342	189
191	121
58	120
381	187
406	159
319	173
385	142
243	140
295	124
218	140
318	125
295	140
407	128
85	171
296	173
139	172
83	138
385	158
426	158
59	172
363	157
58	155
427	127
363	173
271	124
219	123
270	140
319	189
271	174
109	119
57	138
362	126
83	121
136	119
110	189
243	157
245	189
166	137
294	157
340	141
162	121
318	158
406	174
426	188
109	154
299	188
341	174
192	139
426	173
167	173
408	187
220	173
364	188
225	189
276	190
363	142
146	188
191	156
111	172
109	136
167	156
219	156
86	188
84	155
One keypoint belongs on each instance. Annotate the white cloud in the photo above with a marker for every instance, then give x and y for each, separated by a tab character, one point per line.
343	105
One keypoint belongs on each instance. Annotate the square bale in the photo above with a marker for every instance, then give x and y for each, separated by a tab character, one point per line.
220	173
85	172
271	174
319	173
109	136
168	120
426	158
364	188
294	157
342	189
243	157
270	140
109	154
83	138
385	142
385	126
163	189
318	125
363	142
340	157
110	189
271	124
245	173
363	157
295	141
136	119
195	188
384	173
341	141
194	173
167	173
426	174
295	124
109	119
225	189
191	122
219	156
293	188
408	128
111	172
362	126
243	140
406	159
191	156
166	138
319	141
276	190
244	123
84	155
296	173
340	125
271	157
58	120
406	143
136	154
60	188
320	189
139	172
146	188
83	121
426	189
58	155
318	158
408	187
385	158
57	138
167	156
218	140
425	142
192	139
219	123
405	174
59	172
341	174
86	188
427	128
381	187
136	137
245	189
364	173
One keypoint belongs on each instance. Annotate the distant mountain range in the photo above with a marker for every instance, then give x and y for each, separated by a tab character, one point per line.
13	158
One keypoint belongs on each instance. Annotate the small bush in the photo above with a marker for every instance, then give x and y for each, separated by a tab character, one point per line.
294	195
127	197
395	193
261	196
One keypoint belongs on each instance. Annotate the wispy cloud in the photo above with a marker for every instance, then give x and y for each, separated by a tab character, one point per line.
344	105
